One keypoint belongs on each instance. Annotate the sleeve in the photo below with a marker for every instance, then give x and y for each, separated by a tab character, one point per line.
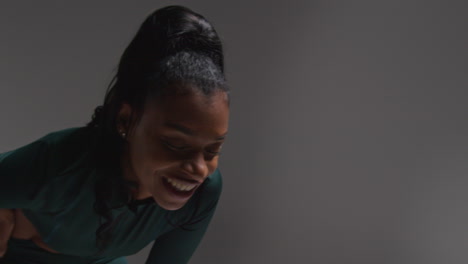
177	246
22	175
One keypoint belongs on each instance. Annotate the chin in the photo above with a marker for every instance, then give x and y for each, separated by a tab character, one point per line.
170	207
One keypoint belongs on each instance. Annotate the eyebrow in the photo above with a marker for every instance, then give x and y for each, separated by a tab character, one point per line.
188	131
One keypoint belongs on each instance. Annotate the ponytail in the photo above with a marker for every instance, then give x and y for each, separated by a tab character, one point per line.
173	45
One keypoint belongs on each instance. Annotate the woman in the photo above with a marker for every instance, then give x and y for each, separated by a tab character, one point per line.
144	169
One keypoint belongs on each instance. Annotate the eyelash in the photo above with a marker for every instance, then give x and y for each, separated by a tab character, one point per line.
170	146
175	148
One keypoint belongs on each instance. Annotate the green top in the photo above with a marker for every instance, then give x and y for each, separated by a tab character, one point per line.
52	182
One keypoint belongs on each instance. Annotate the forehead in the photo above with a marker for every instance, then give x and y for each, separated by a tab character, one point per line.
200	113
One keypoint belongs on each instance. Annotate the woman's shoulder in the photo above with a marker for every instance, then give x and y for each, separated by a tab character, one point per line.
72	135
55	146
47	169
68	146
70	163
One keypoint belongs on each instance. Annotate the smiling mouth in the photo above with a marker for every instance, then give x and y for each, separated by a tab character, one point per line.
180	185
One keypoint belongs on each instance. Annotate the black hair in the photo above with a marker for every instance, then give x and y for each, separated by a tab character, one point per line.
173	46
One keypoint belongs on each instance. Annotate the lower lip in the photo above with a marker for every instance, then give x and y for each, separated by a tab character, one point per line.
176	193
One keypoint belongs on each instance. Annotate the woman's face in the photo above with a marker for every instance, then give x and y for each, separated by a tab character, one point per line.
175	146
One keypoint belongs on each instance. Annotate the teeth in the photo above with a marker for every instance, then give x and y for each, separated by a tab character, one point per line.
180	186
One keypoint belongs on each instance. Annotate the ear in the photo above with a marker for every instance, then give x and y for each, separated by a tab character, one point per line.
123	117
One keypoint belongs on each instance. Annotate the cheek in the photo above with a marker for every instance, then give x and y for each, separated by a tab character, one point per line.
212	165
139	158
138	162
151	157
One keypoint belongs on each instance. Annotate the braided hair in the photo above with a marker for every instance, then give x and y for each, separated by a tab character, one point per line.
174	45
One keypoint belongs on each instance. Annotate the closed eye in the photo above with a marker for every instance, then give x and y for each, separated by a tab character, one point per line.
216	151
175	147
211	155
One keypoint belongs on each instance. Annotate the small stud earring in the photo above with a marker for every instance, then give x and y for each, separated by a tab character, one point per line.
123	134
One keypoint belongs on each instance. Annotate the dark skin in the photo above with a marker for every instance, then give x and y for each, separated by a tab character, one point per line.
178	138
7	223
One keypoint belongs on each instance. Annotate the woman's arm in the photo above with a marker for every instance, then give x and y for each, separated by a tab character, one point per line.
7	223
22	174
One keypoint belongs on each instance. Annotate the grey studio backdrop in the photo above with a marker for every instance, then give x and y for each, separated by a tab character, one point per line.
348	138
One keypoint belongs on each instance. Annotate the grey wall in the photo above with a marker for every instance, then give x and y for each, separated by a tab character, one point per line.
348	139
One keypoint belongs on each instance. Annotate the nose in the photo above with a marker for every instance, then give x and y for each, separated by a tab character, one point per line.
196	166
